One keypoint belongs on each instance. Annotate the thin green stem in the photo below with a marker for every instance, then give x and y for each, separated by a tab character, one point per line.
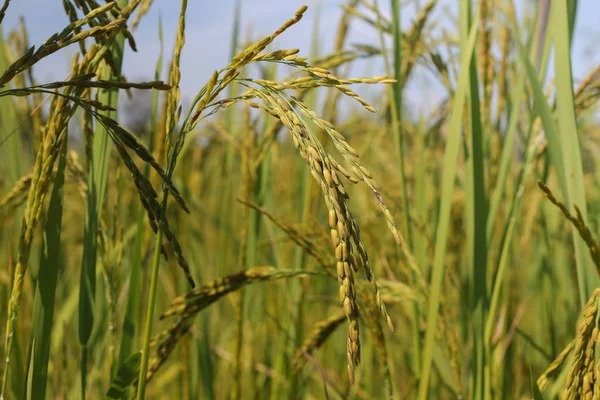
141	390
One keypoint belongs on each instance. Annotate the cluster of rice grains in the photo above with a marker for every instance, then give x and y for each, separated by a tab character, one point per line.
583	381
271	97
350	253
185	308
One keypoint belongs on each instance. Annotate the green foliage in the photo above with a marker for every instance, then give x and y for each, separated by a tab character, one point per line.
247	243
125	376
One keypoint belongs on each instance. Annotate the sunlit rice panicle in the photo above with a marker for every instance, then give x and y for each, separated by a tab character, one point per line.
416	29
357	170
323	78
335	197
587	81
310	246
144	7
186	307
345	274
587	92
345	233
415	42
352	10
174	79
72	14
61	40
578	223
343	25
17	195
321	332
208	95
554	367
582	379
249	53
168	339
198	299
130	8
280	55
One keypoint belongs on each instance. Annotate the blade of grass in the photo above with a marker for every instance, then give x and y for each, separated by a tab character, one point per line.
449	175
545	114
569	139
571	15
478	272
526	165
126	374
420	190
535	389
561	147
29	384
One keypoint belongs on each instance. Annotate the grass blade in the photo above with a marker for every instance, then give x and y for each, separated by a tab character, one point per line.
478	272
569	142
126	374
449	174
564	154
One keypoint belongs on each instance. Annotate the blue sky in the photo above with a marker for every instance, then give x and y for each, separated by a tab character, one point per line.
208	36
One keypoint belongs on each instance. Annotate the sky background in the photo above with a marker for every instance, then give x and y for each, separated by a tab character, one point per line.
209	30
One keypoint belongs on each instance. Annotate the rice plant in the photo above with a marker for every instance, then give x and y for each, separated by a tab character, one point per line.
296	230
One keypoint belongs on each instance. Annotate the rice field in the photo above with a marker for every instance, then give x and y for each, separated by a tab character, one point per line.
301	229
